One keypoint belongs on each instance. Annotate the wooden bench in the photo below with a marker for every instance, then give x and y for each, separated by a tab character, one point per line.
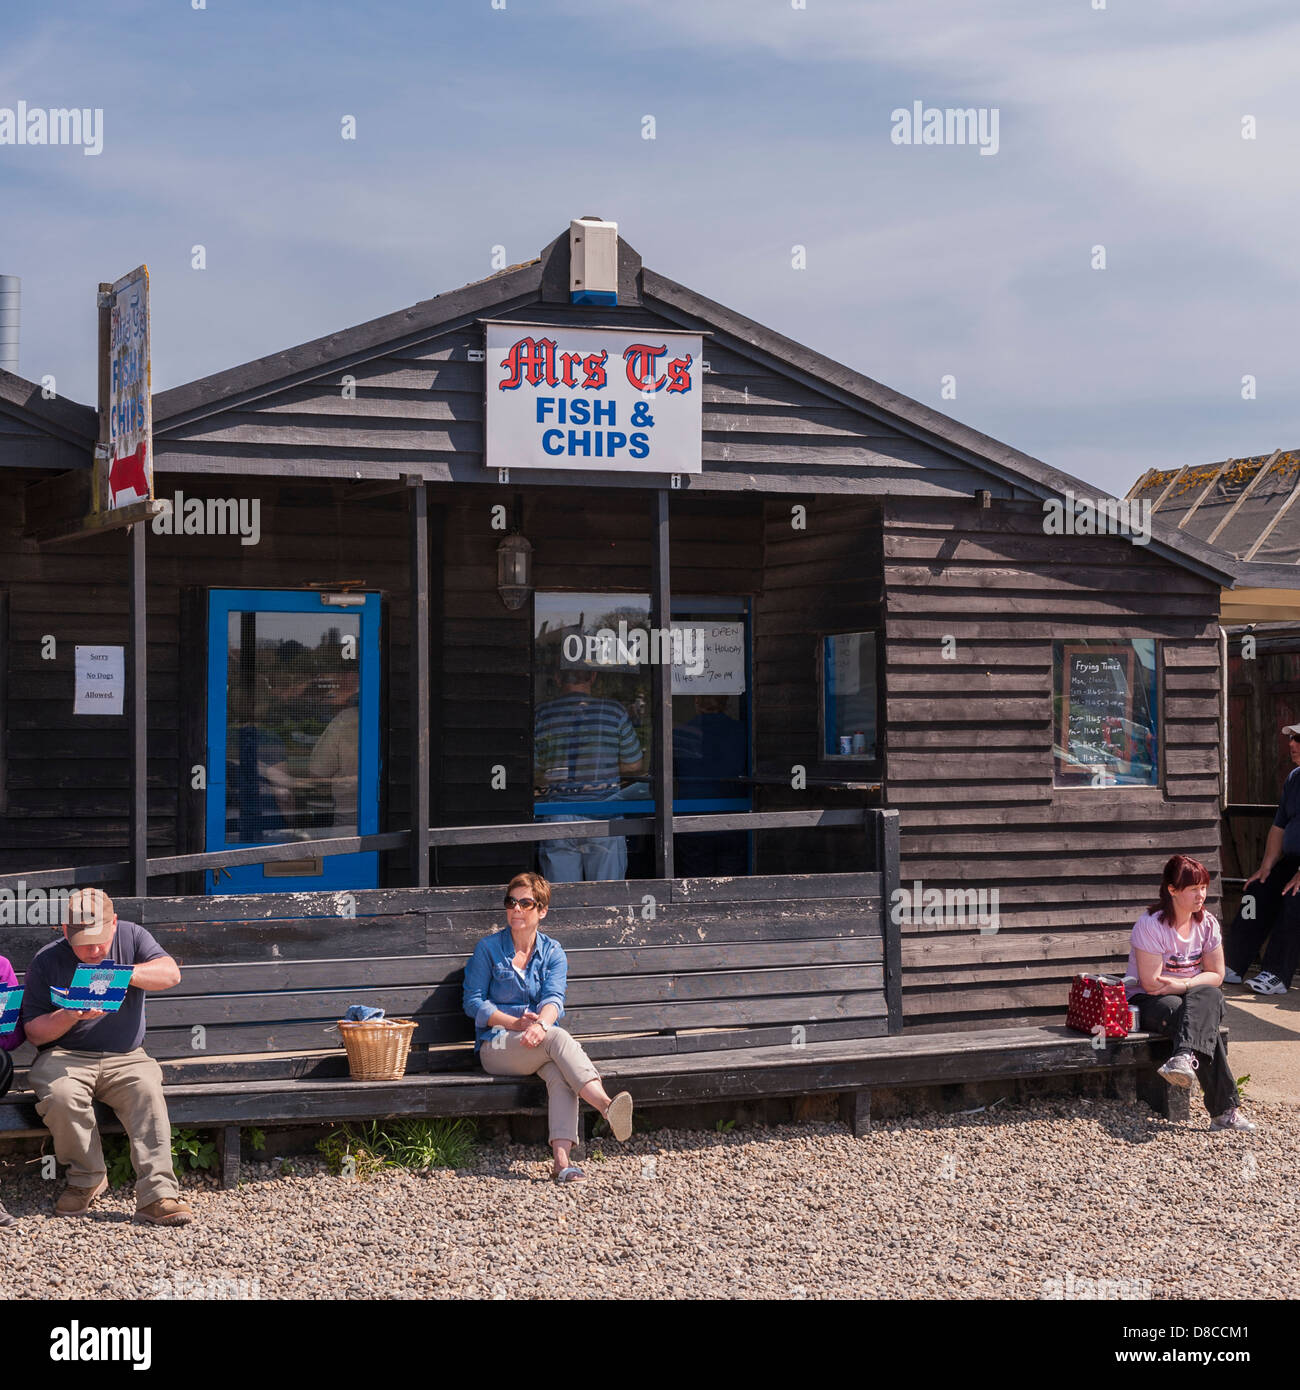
724	992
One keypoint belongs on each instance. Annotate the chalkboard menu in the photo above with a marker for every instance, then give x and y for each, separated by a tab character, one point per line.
1097	707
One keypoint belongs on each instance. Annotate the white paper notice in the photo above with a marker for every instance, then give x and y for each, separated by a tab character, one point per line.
848	663
101	680
714	659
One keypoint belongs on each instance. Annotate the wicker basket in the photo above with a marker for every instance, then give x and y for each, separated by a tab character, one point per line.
377	1050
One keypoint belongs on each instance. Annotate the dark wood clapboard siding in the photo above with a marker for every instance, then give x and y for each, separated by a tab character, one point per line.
422	402
821	574
969	762
68	774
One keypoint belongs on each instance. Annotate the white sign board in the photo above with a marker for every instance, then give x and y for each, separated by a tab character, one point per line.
717	655
101	680
588	398
126	476
848	663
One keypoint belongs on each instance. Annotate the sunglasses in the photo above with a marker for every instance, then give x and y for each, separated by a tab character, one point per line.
526	903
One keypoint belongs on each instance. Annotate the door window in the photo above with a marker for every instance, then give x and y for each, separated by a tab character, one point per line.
293	734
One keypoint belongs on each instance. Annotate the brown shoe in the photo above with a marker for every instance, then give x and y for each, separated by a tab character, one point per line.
77	1201
167	1211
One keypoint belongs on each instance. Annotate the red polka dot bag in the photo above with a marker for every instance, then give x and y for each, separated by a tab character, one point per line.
1098	999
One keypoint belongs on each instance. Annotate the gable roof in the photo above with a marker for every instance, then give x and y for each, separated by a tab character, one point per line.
40	433
180	413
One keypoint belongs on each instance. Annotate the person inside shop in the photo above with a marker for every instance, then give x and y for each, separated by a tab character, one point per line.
583	746
1270	900
1175	970
259	773
9	1042
335	757
710	754
514	991
92	1055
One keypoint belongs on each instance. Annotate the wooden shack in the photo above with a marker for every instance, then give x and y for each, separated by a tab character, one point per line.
915	636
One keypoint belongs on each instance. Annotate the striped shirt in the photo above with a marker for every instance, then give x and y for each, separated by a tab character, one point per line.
580	741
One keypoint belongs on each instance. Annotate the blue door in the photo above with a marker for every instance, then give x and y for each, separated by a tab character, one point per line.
293	734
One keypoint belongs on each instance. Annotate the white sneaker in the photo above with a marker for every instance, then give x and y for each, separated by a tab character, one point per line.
1230	977
1232	1119
1267	983
1180	1069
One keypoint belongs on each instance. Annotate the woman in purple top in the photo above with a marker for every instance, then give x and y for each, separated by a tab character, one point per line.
9	1042
1175	970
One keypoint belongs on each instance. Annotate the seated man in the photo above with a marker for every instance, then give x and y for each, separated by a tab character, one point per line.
93	1055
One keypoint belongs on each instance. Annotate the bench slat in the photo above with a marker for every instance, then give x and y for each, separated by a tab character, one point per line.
264	976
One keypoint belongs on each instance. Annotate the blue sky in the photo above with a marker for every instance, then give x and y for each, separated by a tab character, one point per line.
479	127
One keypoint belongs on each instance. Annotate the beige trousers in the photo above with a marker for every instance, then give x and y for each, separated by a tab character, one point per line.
559	1060
130	1083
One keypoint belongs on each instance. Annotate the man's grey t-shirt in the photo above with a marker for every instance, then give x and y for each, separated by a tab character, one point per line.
1288	814
54	966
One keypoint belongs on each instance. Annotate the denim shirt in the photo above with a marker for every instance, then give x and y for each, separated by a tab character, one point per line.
492	983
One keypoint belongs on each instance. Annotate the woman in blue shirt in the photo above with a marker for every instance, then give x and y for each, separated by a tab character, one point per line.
514	991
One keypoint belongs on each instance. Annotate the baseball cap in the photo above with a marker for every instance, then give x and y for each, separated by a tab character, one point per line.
90	917
1291	729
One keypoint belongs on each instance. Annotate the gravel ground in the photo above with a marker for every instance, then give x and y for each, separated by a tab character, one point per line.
992	1205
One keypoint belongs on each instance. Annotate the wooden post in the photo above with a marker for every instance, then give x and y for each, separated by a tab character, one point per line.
138	685
661	693
1173	1102
855	1111
228	1143
419	657
887	864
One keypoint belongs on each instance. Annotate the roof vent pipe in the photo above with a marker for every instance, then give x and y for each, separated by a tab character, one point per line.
10	306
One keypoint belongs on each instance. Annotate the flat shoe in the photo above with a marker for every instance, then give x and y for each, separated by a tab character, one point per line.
568	1175
619	1117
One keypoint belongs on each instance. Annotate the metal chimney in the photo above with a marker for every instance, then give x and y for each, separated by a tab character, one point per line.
10	313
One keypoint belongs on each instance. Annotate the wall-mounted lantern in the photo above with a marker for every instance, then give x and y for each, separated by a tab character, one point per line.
515	570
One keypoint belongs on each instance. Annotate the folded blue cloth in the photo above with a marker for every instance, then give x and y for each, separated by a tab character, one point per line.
361	1013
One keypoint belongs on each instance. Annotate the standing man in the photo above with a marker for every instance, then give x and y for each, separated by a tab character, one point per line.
1272	907
93	1055
582	746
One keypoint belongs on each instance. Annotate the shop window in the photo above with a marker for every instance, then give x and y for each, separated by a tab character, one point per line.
1105	715
847	678
594	655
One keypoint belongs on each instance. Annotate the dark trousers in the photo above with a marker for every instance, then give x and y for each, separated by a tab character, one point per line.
1192	1020
1275	916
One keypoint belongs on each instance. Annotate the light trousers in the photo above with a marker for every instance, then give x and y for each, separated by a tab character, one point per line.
67	1084
559	1060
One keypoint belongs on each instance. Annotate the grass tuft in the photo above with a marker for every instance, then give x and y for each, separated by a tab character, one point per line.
364	1150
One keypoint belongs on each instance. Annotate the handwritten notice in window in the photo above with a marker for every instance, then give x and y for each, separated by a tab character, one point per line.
100	680
1099	705
715	659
